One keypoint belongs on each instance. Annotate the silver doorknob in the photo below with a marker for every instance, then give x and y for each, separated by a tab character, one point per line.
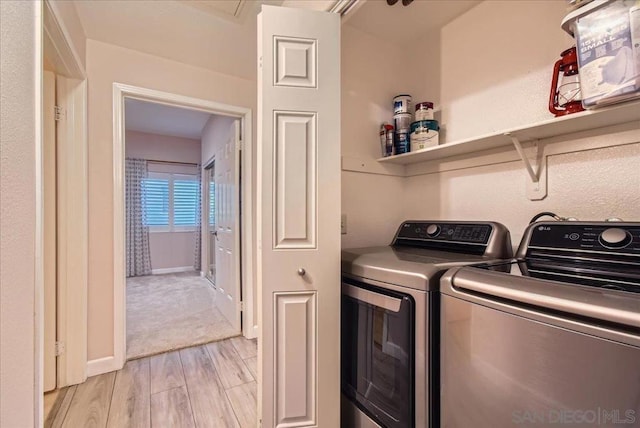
301	271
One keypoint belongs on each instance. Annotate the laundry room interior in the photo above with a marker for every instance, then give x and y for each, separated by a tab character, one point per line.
399	213
501	161
487	70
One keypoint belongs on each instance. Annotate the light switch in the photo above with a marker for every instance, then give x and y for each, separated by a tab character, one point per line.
343	224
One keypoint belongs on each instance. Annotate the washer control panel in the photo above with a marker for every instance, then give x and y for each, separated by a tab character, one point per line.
602	237
465	233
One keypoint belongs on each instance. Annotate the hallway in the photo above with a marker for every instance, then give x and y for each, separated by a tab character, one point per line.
212	385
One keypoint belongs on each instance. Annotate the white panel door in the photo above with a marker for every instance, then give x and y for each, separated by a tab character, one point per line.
227	212
298	217
49	216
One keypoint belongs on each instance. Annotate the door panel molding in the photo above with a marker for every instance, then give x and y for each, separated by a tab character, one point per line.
295	62
295	153
295	388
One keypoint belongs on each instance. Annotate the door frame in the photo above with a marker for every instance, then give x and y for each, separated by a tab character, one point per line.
72	203
120	92
205	230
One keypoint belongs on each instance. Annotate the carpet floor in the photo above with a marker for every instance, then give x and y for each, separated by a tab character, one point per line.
172	311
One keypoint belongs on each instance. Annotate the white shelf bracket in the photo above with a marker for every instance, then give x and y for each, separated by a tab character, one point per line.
537	183
527	163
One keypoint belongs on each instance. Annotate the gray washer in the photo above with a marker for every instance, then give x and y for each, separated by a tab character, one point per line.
390	318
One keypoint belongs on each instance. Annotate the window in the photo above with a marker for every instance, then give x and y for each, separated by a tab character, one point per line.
185	202
170	202
155	201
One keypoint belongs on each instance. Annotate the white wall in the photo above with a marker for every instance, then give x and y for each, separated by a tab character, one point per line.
372	203
168	250
588	185
107	64
496	77
144	145
423	68
20	23
373	72
486	74
496	72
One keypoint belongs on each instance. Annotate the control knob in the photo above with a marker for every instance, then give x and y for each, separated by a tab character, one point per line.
615	238
433	230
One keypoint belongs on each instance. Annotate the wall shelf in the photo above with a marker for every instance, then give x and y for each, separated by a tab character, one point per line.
577	122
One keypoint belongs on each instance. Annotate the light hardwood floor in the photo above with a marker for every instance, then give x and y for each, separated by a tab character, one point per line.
212	385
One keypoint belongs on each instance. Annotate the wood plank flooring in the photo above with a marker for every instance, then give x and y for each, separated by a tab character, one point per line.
212	385
130	399
231	368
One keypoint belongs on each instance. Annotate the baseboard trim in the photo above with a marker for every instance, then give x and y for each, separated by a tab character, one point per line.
251	333
172	270
102	365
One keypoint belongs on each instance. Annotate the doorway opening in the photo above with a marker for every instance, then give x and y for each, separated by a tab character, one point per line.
228	126
171	213
169	306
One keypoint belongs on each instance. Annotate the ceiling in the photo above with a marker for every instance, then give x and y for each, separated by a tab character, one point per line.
153	118
229	9
402	24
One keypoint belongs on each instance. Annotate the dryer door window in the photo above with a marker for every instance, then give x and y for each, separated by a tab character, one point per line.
378	352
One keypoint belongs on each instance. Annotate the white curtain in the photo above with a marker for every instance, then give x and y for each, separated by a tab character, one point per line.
197	261
138	254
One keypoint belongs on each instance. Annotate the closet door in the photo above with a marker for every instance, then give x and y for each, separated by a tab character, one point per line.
299	217
50	230
227	213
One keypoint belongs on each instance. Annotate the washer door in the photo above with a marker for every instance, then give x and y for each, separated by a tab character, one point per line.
378	352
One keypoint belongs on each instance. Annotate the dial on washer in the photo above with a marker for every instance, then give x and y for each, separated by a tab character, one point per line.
615	238
433	230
